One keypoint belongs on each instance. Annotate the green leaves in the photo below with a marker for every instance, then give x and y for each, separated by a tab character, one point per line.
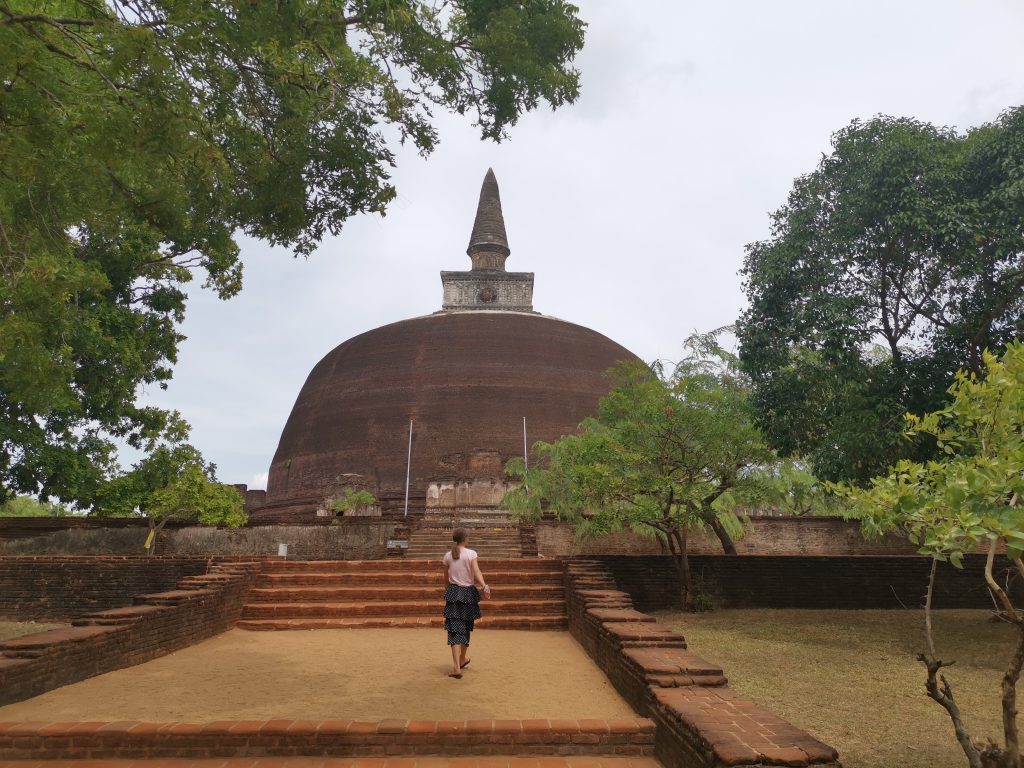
662	454
954	505
137	139
891	266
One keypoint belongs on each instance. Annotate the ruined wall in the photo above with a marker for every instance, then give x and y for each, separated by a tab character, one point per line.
337	539
202	606
769	535
769	581
47	588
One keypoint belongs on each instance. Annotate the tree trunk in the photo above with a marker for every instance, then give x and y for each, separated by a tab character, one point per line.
943	695
728	546
1010	678
154	531
677	544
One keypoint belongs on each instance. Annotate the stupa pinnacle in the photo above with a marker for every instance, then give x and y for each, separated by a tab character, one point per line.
488	245
487	285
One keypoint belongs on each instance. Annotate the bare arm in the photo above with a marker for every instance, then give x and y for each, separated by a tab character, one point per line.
478	577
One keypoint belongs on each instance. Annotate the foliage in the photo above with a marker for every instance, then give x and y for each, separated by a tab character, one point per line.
26	506
194	496
798	492
891	266
664	455
973	495
351	500
138	137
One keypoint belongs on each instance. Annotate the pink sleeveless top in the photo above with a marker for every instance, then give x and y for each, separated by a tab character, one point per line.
460	571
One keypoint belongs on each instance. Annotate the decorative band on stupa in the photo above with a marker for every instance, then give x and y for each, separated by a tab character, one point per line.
487	286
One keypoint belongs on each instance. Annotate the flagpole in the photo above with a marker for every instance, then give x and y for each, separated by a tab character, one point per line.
408	470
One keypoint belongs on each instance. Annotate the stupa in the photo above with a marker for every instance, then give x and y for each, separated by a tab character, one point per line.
466	377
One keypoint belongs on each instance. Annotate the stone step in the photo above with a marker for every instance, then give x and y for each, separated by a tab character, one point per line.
396	564
394	608
504	578
368	594
489	761
403	622
431	554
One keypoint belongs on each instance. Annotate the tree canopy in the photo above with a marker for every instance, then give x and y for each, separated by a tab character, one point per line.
138	137
892	265
665	455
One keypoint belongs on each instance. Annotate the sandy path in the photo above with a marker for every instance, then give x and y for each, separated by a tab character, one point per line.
354	674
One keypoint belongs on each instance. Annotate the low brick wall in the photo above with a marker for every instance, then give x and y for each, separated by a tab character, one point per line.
47	588
768	536
334	539
763	581
201	607
342	738
699	721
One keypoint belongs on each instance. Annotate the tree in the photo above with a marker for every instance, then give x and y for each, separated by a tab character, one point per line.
351	499
891	266
138	137
26	506
971	497
664	455
193	496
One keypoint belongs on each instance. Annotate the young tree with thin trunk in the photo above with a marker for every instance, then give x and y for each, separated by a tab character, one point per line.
665	455
972	498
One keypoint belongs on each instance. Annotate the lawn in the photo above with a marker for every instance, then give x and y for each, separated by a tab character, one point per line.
851	677
9	629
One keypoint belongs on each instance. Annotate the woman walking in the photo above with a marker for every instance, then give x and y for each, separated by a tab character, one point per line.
461	598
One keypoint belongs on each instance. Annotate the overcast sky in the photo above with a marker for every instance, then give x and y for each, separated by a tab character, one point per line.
632	206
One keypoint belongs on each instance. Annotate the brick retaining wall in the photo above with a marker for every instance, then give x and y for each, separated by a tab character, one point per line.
700	722
765	581
40	588
201	607
805	535
331	539
64	741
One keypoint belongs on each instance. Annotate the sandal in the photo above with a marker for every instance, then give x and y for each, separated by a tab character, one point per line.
463	666
456	676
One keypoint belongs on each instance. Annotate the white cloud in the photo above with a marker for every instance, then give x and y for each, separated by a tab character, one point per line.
259	481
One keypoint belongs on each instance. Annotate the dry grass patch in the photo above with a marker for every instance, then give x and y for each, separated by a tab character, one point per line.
851	677
9	629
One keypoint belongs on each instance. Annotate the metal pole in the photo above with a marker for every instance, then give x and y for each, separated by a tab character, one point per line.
526	460
408	470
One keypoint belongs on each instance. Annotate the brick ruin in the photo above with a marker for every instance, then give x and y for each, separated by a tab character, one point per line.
466	377
685	713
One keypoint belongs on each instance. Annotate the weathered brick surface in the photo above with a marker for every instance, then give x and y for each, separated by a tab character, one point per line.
357	538
700	722
43	587
773	535
203	606
767	581
59	741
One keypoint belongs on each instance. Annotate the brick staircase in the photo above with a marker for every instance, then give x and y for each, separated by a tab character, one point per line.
492	541
329	594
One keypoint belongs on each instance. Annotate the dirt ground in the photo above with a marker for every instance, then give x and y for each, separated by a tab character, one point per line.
354	674
9	629
851	677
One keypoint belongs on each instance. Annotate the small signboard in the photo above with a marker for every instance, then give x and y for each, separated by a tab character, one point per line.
398	543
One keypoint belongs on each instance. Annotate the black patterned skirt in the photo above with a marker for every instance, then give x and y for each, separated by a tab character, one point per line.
461	609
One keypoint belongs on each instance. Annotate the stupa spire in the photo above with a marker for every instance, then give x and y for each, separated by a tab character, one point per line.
488	245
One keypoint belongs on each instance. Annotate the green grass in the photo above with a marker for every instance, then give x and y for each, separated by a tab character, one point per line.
9	629
852	680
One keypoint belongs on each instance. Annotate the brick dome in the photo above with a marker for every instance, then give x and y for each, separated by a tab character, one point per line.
466	379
